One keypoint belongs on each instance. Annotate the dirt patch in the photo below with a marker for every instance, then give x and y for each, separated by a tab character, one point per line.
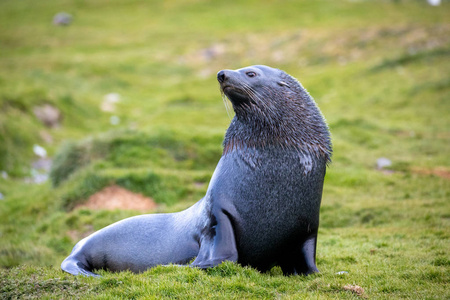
116	197
355	289
439	171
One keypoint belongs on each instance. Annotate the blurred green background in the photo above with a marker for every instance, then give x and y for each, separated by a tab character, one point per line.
126	94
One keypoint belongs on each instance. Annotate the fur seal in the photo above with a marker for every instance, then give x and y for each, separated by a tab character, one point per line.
262	205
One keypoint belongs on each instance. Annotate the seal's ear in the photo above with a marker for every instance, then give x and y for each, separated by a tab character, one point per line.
282	83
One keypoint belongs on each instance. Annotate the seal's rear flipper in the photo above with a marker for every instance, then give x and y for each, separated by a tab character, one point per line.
75	267
307	263
301	260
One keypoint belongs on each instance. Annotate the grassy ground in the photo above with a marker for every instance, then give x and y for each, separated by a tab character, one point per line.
377	69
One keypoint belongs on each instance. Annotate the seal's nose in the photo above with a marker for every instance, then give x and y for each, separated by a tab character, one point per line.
221	76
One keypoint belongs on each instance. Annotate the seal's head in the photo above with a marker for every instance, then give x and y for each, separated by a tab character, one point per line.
272	108
246	86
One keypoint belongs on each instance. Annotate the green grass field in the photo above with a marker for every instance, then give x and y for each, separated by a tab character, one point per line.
379	71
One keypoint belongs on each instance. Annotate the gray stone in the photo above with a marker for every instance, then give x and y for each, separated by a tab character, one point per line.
48	114
62	19
383	163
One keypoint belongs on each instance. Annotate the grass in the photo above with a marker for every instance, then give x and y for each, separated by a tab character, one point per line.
377	69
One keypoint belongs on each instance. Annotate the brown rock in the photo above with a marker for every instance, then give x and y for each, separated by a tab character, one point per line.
48	114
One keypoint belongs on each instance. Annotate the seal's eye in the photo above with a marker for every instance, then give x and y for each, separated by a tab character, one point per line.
250	74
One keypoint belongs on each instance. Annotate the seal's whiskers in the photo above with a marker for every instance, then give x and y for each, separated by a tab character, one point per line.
226	103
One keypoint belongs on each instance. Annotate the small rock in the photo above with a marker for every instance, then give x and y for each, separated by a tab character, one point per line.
383	162
112	97
341	273
42	164
40	178
2	197
62	19
48	114
434	2
37	177
212	52
356	289
109	102
114	120
4	175
39	168
39	151
108	107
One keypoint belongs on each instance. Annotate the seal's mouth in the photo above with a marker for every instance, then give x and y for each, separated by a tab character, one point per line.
226	87
235	95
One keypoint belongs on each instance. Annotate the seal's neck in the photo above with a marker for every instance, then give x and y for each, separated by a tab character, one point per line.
302	129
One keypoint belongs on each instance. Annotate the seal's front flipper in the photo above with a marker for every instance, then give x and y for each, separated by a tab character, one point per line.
75	267
219	245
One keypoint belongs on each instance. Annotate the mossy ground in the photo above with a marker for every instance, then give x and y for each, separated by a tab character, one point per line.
379	70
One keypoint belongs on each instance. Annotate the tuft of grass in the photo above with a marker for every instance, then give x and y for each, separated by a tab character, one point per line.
408	58
141	162
135	149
